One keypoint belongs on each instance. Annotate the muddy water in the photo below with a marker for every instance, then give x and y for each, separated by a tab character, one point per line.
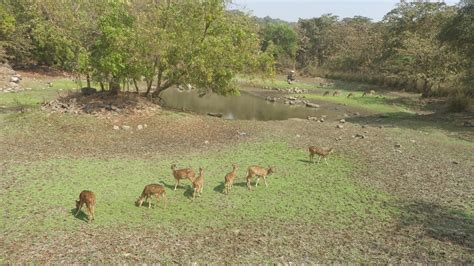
244	107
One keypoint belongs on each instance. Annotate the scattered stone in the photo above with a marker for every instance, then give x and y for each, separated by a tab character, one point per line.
241	133
468	124
412	141
297	135
116	127
455	162
398	145
340	126
312	105
145	125
339	138
360	136
312	118
324	116
125	127
139	127
342	121
321	120
206	142
291	98
364	126
356	113
15	79
215	114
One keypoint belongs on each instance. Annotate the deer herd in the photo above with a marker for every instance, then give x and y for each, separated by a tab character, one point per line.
158	191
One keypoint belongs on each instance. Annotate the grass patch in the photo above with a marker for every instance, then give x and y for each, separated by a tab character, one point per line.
42	195
377	104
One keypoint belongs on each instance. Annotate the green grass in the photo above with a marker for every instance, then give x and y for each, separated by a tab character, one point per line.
39	92
372	103
278	82
42	196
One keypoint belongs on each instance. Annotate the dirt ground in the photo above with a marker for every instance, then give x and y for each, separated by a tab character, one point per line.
426	165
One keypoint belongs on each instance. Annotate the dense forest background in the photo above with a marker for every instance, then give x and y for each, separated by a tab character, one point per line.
418	46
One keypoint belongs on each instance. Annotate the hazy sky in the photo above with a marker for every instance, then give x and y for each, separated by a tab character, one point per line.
291	10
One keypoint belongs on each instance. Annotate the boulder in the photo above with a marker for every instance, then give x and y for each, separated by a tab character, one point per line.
312	105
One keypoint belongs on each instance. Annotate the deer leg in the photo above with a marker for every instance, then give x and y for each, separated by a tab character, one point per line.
176	185
165	200
157	199
89	215
319	159
265	179
78	209
326	161
256	183
248	184
149	201
194	194
311	157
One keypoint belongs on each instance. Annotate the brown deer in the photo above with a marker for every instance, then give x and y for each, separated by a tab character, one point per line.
198	183
186	173
326	93
367	92
229	179
350	95
149	191
258	172
87	197
322	152
336	93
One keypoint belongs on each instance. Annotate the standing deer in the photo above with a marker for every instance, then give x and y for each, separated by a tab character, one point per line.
336	93
322	152
229	179
350	95
326	93
86	197
186	173
149	191
259	172
198	183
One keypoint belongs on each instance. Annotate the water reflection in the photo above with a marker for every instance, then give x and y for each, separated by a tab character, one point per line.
245	106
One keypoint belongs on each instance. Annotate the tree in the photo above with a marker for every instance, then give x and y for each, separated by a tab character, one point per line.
281	38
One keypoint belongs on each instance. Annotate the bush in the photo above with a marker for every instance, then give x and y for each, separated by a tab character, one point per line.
459	102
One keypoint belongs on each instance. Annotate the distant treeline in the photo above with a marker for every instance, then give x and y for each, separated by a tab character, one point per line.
422	46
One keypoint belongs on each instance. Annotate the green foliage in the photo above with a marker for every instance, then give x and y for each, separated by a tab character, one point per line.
280	39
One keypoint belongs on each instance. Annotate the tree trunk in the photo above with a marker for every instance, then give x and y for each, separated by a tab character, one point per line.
88	78
148	87
136	86
114	86
101	86
426	89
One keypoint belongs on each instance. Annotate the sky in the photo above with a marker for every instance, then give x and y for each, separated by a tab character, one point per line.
292	10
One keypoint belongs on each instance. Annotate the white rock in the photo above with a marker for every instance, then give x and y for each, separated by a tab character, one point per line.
116	127
139	127
125	127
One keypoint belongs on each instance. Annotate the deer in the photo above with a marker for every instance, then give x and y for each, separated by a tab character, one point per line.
186	173
350	95
229	179
326	93
367	92
322	152
148	192
258	171
336	93
198	183
86	197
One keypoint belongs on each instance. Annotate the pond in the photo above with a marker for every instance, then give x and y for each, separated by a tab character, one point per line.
243	107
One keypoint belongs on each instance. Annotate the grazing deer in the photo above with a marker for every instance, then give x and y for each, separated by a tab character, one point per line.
336	93
326	93
186	173
350	95
149	191
229	179
259	172
367	92
87	197
322	152
198	183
